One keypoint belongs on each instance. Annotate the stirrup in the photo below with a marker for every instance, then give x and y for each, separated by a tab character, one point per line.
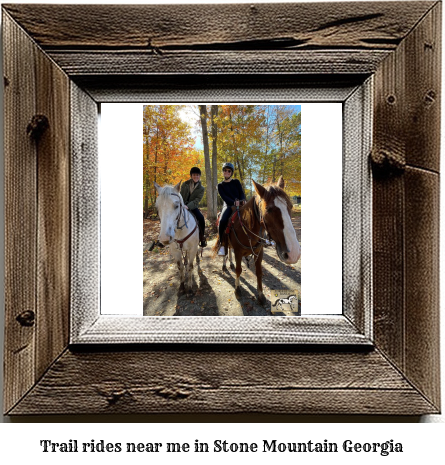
221	252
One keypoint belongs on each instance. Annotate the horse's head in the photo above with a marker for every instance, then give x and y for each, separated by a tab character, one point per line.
276	208
168	205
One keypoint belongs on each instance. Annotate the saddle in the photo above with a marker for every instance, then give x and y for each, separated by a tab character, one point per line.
231	221
196	221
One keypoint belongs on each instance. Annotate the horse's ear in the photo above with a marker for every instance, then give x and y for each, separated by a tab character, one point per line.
158	187
280	182
259	189
178	186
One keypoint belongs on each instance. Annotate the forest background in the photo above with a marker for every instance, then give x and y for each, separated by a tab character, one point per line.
262	141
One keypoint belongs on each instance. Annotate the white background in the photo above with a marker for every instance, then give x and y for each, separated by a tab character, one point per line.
19	442
120	155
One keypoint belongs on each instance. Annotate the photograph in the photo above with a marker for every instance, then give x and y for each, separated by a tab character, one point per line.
222	210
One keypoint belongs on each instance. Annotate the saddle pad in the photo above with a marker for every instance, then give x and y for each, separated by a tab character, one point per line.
231	222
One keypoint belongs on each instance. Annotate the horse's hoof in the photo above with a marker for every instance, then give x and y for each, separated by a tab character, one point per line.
261	299
181	288
238	293
224	268
232	267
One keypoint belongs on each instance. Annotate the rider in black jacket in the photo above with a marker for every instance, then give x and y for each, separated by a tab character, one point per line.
229	190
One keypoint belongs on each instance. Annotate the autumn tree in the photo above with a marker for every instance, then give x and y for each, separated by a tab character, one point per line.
214	183
262	141
281	147
205	142
240	131
169	148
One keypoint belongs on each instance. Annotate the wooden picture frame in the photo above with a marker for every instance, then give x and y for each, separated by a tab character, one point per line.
57	70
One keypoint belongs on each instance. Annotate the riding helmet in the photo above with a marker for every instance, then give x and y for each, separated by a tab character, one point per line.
195	170
229	165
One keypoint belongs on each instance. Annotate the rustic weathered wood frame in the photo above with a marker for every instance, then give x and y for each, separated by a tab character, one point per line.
96	53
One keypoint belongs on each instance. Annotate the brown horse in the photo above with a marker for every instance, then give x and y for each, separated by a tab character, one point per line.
268	212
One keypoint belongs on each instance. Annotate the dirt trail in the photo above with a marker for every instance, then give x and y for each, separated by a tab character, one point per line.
213	289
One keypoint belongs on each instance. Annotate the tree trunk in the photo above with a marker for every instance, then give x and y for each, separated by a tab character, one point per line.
156	164
146	174
205	142
280	135
214	178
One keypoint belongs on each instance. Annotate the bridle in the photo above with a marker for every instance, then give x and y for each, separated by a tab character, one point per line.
262	241
180	242
181	209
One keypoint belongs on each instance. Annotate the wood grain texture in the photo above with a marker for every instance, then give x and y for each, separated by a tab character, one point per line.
160	27
406	133
85	208
108	329
408	100
357	206
223	382
388	268
422	364
388	198
78	63
220	88
53	225
423	91
20	212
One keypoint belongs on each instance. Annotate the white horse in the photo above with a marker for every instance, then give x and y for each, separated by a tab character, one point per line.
179	230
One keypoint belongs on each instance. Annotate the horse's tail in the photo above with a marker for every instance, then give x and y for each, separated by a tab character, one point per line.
226	242
215	248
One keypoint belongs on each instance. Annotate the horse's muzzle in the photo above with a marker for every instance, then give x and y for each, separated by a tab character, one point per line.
287	256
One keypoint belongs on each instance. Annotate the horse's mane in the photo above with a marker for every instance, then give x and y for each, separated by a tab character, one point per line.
273	191
249	213
166	192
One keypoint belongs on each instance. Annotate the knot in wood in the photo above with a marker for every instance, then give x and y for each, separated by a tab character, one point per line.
387	163
114	397
26	318
173	393
37	126
430	97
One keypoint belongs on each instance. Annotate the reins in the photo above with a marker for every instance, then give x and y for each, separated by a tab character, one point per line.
180	242
261	240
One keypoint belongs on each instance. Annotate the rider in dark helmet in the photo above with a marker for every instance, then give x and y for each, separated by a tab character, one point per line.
229	190
192	192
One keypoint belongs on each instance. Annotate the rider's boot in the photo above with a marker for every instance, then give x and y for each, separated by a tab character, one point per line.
202	240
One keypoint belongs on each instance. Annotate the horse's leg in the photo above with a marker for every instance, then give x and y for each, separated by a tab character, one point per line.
224	268
238	270
198	261
189	272
179	262
259	277
232	266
